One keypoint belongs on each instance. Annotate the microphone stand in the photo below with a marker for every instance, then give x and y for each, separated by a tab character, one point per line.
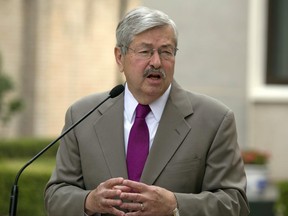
14	191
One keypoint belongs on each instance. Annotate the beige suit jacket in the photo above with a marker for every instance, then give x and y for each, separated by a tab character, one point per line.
195	155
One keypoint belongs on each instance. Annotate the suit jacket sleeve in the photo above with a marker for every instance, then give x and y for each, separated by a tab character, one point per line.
81	161
224	182
64	193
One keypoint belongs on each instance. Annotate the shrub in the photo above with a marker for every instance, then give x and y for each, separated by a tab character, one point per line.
8	106
25	147
31	186
282	201
32	182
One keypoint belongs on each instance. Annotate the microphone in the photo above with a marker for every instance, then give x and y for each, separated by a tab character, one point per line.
117	90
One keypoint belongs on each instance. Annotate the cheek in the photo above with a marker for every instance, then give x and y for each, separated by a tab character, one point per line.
169	68
135	68
133	75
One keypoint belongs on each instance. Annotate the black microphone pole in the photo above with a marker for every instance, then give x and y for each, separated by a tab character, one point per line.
14	192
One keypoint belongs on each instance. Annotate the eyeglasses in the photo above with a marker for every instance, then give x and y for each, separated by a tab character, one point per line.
144	53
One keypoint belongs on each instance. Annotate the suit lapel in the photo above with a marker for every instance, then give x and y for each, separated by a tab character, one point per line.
110	132
171	132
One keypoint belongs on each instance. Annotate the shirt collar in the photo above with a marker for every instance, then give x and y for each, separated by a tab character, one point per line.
157	107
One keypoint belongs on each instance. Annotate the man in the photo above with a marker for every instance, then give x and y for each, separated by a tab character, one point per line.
193	167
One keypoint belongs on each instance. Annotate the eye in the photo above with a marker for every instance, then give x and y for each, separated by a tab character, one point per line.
166	52
144	52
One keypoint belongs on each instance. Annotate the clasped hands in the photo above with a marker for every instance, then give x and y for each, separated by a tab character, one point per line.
118	195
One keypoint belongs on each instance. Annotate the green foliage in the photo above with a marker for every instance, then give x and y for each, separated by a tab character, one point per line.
25	148
282	201
8	106
32	181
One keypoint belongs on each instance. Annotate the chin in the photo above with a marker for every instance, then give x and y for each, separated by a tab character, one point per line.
155	93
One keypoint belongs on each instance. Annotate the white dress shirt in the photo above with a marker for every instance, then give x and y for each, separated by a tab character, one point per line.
152	119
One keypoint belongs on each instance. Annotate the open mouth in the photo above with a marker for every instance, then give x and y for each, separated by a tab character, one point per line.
154	76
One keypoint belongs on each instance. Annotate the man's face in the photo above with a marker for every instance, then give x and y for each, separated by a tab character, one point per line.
138	59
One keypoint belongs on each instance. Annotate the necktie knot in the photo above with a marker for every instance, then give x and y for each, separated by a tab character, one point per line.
142	110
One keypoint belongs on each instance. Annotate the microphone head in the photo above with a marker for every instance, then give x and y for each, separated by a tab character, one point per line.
117	90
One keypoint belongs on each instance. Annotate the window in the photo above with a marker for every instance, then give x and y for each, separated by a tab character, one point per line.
277	42
259	90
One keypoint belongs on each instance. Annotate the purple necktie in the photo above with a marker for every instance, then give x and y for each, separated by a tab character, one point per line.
138	143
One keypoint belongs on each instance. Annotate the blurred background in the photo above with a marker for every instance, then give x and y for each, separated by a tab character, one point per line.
55	52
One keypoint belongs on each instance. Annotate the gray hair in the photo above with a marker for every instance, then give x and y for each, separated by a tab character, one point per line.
138	21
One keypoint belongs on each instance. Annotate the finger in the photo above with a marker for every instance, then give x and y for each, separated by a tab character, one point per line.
111	202
115	211
131	206
99	203
136	213
136	186
122	188
111	193
110	183
108	205
133	197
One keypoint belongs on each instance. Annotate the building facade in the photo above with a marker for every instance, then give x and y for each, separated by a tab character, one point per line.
58	51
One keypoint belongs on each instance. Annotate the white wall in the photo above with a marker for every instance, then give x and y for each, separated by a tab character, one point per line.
212	50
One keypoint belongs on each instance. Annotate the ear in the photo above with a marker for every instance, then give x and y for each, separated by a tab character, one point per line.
119	58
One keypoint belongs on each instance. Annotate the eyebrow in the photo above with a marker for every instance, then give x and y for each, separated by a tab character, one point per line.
143	44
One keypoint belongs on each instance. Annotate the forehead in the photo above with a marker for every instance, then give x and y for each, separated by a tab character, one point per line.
157	36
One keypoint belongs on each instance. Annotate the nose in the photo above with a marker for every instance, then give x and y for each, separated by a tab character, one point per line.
155	60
